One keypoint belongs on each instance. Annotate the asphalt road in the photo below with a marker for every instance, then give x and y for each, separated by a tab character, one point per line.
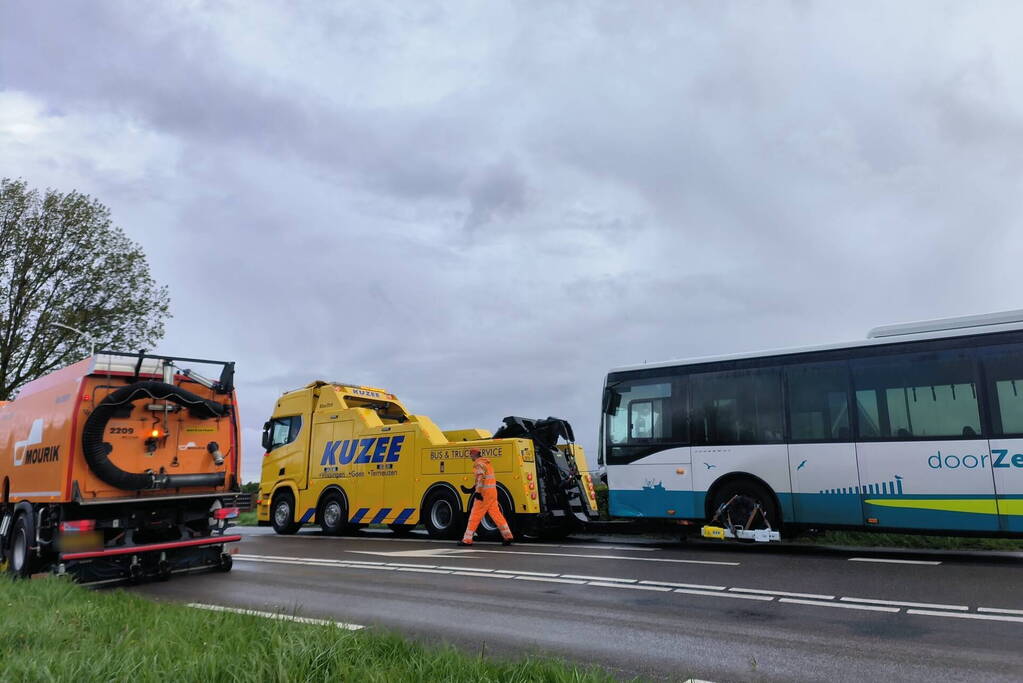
662	611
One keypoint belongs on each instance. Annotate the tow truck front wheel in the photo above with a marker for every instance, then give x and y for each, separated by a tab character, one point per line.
442	515
282	514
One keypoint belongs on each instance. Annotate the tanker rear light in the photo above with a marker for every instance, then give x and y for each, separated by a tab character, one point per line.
78	525
532	495
532	486
529	476
226	513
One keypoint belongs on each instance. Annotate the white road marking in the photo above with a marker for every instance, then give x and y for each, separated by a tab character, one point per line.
743	596
277	616
999	610
635	586
684	585
960	615
428	552
549	579
782	593
889	561
820	603
468	569
460	572
610	557
440	540
898	603
598	578
866	604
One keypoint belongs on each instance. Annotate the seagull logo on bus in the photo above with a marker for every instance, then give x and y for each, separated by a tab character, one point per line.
709	466
800	465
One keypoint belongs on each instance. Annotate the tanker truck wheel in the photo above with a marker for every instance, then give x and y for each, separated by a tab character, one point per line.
282	514
20	558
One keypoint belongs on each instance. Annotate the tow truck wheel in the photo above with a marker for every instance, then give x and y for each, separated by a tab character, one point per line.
333	514
20	558
442	515
488	530
282	514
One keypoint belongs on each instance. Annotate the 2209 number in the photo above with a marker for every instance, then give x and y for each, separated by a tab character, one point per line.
122	430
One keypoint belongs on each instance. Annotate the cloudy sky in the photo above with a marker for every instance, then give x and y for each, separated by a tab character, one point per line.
482	207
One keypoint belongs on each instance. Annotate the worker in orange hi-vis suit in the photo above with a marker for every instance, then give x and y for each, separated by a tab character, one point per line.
484	500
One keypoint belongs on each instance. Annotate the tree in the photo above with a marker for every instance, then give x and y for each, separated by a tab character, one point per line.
62	261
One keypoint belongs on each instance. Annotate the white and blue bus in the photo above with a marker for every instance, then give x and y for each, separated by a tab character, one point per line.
917	427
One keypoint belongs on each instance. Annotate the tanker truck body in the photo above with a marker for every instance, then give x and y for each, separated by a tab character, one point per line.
119	467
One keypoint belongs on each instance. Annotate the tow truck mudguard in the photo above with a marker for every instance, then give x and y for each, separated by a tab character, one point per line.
97	451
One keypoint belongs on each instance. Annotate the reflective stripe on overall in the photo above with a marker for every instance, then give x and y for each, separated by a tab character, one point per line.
486	485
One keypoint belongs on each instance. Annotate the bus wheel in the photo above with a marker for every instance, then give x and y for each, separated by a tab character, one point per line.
443	515
20	558
749	494
333	514
282	514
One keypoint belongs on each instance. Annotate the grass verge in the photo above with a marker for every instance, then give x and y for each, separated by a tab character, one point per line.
55	630
246	518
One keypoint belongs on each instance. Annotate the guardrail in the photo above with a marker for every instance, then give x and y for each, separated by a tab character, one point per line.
245	502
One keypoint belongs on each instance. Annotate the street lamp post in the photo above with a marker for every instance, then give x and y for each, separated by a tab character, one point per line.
88	337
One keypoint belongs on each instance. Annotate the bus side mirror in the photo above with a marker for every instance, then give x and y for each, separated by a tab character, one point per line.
612	399
266	436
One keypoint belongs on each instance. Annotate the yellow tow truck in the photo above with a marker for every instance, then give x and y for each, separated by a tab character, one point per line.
346	456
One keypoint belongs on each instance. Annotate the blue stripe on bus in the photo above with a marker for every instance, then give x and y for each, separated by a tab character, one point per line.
359	514
380	516
307	516
405	514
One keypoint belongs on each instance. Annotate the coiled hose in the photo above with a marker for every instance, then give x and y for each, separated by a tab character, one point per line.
97	451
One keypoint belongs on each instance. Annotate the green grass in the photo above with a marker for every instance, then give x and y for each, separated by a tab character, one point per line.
54	630
246	518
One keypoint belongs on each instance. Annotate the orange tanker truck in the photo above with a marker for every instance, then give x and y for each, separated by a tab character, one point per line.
118	467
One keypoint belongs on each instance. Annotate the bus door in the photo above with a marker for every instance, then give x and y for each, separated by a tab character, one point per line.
1003	367
921	454
822	455
649	461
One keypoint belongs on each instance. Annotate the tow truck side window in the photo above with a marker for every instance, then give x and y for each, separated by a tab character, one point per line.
284	430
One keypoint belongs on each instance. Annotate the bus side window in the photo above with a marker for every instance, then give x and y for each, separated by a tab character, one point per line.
1003	366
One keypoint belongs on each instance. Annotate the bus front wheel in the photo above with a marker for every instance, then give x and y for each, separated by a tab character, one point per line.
757	494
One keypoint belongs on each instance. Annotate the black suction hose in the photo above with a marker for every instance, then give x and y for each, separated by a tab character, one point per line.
97	451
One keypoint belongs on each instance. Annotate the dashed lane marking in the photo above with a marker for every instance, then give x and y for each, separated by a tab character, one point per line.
782	593
598	578
549	579
636	548
610	557
685	585
885	560
999	610
897	603
740	596
962	615
633	586
276	616
846	605
737	592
